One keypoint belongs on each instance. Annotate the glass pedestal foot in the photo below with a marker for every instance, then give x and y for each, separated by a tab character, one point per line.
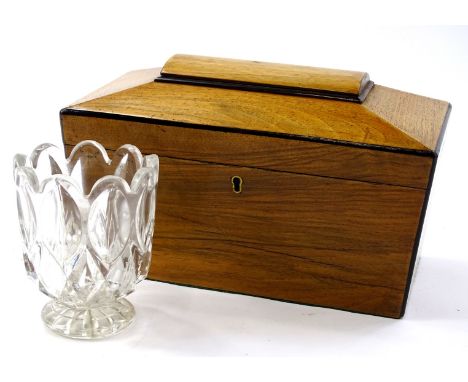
88	323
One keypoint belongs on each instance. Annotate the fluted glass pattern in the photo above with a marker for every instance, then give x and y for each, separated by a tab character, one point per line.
87	225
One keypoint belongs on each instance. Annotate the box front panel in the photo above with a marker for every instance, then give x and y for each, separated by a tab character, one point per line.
296	232
308	239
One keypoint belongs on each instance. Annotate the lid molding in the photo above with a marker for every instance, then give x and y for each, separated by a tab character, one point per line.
267	77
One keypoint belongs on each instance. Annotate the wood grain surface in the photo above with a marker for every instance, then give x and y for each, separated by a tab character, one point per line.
274	113
305	77
420	117
313	240
127	81
236	149
333	192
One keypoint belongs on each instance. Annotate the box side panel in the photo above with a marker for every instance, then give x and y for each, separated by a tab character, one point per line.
250	150
418	236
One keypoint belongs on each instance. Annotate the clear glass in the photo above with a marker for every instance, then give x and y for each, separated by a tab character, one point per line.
87	225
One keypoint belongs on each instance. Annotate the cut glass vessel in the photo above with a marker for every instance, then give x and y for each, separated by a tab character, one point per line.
87	225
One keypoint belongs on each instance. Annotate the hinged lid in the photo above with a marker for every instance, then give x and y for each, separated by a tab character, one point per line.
268	77
239	96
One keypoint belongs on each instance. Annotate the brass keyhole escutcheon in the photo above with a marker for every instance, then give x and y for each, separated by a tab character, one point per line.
237	182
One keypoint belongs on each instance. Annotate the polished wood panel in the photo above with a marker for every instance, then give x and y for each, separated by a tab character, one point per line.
419	117
313	240
272	153
258	112
320	241
128	80
305	77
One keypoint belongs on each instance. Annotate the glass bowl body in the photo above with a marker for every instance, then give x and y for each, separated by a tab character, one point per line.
86	224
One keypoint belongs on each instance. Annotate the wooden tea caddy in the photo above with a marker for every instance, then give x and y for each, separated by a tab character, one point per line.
293	183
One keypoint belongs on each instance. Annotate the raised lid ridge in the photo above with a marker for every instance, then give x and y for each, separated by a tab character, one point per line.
267	77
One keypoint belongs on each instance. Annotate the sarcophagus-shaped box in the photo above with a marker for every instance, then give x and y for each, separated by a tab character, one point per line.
293	183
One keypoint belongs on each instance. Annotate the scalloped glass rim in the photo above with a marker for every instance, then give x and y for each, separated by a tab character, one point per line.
87	226
28	163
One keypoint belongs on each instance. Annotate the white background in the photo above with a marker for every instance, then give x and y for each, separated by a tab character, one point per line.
53	53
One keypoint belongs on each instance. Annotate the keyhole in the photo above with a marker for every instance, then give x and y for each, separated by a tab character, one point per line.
236	184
